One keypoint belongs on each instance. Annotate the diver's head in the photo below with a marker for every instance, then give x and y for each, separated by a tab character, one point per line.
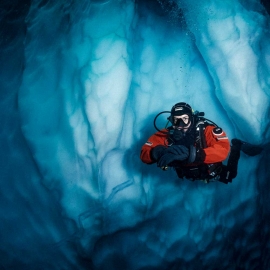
181	116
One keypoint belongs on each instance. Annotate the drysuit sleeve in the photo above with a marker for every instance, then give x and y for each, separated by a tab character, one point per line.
156	139
218	145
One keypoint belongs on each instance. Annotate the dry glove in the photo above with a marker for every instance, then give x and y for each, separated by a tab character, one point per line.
173	153
157	152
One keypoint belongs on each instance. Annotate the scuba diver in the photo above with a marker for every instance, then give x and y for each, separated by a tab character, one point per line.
195	147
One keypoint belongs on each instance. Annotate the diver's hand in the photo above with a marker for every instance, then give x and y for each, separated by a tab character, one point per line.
173	153
165	160
157	152
179	150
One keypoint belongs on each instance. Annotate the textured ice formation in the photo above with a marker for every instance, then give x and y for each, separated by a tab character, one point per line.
81	82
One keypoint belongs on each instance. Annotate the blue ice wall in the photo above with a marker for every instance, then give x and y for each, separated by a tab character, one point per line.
81	82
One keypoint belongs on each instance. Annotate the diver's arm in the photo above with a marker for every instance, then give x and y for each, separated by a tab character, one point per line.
218	145
158	141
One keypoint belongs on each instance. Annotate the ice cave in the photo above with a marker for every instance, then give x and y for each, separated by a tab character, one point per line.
81	83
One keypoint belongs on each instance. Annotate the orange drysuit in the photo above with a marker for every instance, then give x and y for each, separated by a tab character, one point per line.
218	146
